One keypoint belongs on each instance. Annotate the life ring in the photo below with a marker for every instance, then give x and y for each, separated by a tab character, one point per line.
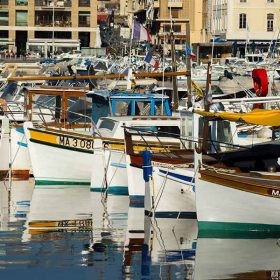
4	105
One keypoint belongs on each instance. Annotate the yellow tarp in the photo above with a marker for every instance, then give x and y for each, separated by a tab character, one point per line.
257	116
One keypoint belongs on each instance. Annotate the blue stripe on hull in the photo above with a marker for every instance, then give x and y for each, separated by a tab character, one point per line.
20	130
118	165
136	201
178	176
22	144
172	214
115	190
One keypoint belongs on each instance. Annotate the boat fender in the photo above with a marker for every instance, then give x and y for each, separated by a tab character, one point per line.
260	80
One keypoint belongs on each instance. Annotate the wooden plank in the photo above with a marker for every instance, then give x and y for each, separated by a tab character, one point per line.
107	76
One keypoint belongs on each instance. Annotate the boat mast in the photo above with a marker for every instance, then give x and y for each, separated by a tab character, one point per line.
188	63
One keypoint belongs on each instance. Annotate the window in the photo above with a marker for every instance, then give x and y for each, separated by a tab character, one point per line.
84	19
175	13
270	1
107	124
243	1
21	18
84	3
176	28
242	21
4	18
270	19
21	2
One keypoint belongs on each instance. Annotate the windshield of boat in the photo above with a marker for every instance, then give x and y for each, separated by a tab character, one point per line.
140	108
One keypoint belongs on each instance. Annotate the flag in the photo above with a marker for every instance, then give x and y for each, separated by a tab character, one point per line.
149	57
140	33
189	52
156	65
152	61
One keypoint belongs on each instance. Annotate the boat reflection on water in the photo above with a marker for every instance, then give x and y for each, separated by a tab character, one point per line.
56	227
86	226
237	256
163	246
109	221
58	209
14	206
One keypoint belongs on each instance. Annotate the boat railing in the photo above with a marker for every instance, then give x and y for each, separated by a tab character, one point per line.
144	132
80	117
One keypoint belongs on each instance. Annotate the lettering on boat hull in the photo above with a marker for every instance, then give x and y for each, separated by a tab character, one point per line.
71	142
274	193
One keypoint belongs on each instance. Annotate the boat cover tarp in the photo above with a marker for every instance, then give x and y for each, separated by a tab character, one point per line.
257	116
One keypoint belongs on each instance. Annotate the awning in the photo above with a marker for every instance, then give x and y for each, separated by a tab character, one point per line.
257	116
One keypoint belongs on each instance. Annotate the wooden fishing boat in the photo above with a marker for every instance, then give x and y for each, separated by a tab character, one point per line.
67	143
228	197
111	174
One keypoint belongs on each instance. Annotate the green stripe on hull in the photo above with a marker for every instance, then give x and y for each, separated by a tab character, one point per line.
60	183
236	227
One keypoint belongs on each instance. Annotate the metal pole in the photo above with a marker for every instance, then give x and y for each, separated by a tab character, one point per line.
53	30
188	62
174	69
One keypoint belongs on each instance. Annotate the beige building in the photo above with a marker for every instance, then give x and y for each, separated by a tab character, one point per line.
179	10
182	10
42	24
254	21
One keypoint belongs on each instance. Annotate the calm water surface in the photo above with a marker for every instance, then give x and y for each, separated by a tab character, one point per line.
72	233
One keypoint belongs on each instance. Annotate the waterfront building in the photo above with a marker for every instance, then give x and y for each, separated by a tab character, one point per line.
47	25
179	11
247	23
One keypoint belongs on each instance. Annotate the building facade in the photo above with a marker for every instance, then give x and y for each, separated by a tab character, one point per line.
254	23
178	10
47	24
181	10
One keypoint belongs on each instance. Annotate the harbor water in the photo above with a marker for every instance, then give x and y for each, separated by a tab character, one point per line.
54	232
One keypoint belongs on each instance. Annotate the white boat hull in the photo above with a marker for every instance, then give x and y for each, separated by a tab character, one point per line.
174	193
56	165
225	208
110	172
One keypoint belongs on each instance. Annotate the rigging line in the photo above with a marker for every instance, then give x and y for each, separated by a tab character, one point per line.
190	139
105	184
160	192
116	168
160	239
12	162
162	186
180	249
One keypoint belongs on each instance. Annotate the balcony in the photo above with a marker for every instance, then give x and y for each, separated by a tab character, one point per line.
45	19
50	4
175	4
4	2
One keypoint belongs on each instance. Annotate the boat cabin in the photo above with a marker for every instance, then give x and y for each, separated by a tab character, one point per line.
118	104
113	127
